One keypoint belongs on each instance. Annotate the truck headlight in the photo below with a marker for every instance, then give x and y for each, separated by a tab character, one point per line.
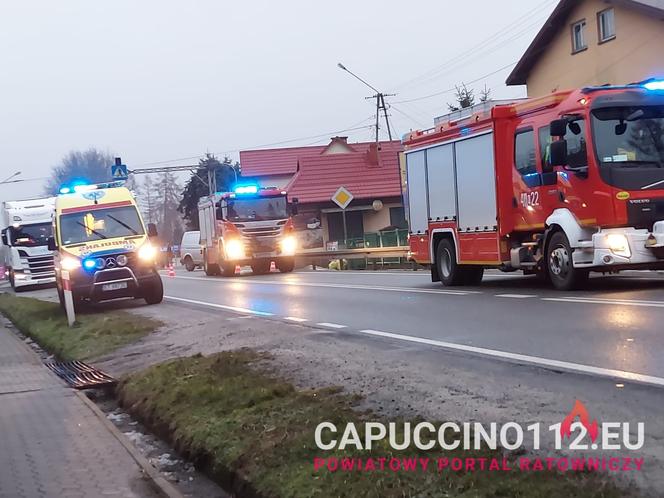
69	263
289	245
234	249
619	244
147	253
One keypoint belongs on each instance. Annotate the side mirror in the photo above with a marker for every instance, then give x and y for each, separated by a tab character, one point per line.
558	153
558	127
4	237
293	208
50	244
152	230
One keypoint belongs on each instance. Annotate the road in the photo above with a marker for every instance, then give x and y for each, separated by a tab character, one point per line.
613	328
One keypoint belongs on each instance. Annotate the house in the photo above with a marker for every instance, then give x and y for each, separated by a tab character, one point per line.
594	42
369	171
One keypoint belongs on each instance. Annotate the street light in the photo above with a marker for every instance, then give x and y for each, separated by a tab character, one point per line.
7	180
380	100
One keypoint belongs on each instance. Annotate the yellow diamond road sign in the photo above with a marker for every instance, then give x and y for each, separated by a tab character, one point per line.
342	197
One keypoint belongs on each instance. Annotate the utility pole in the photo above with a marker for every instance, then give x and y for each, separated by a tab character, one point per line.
380	102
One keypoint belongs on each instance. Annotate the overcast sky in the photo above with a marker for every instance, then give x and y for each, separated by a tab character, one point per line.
161	80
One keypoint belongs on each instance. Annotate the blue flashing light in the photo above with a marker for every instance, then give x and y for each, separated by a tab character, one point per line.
65	190
246	189
89	264
654	85
465	131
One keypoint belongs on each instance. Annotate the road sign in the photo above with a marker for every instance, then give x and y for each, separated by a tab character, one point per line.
342	197
119	172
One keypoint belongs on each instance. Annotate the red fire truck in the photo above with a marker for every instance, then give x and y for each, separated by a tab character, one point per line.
557	186
249	226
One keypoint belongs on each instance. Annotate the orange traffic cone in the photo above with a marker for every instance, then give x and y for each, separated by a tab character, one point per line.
273	267
171	271
238	270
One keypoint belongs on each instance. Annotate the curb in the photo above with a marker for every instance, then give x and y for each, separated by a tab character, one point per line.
161	485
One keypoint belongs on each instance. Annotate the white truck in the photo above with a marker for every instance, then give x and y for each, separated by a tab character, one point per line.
26	227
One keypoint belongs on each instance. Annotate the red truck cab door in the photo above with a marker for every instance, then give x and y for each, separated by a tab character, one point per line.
528	183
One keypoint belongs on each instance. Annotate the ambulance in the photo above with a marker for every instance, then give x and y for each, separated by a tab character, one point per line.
100	241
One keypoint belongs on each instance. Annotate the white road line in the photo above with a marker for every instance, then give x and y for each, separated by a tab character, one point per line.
331	325
332	286
522	358
516	296
296	319
614	302
220	306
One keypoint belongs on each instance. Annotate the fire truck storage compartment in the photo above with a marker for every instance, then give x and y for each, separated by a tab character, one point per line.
417	191
476	183
440	178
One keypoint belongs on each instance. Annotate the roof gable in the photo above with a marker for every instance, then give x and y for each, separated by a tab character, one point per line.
557	21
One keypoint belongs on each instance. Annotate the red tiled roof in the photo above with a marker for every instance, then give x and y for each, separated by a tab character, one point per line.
275	161
321	175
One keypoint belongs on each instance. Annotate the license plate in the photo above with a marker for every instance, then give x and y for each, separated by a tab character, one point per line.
114	286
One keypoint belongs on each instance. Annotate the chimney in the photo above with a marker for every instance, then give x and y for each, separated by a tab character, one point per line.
373	154
338	145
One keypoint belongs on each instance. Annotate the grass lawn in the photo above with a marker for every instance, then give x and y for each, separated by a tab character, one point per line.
93	334
254	434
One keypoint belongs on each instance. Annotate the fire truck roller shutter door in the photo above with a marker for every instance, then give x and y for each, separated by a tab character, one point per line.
440	180
476	183
417	191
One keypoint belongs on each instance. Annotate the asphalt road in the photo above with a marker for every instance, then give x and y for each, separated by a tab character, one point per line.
613	328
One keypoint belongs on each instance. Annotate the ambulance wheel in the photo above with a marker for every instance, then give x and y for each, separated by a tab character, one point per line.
286	265
154	292
228	269
450	273
562	274
261	267
61	297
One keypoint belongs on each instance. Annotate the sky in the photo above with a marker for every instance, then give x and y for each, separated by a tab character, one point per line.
161	82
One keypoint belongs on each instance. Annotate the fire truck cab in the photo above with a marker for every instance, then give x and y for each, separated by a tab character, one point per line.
558	186
249	226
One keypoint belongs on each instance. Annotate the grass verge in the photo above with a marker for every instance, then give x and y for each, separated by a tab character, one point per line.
254	434
93	334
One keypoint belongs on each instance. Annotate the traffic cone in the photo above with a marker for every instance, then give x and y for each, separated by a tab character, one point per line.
171	271
238	270
273	267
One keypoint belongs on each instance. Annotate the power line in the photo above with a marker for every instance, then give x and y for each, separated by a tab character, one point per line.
462	57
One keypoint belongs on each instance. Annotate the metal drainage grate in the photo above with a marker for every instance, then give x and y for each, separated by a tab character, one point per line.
80	375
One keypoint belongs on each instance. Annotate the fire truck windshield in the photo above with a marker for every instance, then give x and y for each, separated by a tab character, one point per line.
257	209
31	235
629	143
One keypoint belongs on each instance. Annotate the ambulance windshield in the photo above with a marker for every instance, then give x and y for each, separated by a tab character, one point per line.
98	224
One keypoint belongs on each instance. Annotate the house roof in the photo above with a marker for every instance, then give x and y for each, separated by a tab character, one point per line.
275	161
320	176
558	20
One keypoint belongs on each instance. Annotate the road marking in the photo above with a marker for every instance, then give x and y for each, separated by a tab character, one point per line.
615	302
523	358
292	283
221	306
331	325
296	319
516	296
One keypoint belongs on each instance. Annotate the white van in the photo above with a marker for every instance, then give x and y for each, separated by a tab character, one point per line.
191	254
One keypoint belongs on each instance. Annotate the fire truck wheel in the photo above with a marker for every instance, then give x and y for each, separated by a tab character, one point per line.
449	271
154	293
211	269
227	269
472	275
286	265
560	269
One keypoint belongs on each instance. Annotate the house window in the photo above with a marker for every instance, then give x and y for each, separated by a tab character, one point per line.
606	25
579	36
